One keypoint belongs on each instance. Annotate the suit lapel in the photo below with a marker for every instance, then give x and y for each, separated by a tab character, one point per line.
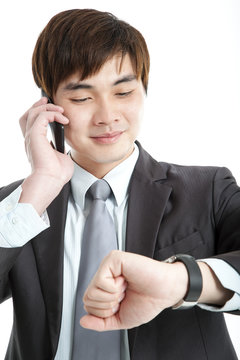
49	248
148	197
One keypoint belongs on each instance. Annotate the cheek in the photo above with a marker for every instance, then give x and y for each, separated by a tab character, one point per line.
78	126
77	120
135	113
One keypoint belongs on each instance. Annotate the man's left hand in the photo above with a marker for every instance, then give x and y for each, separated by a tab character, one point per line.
129	290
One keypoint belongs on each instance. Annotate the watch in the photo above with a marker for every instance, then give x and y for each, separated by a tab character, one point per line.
194	281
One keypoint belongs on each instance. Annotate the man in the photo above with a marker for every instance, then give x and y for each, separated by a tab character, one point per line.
94	68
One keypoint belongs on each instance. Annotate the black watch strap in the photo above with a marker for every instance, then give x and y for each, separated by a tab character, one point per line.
195	280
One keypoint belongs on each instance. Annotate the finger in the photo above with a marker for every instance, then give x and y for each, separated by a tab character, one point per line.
110	304
46	110
100	305
98	324
103	313
31	114
40	125
108	283
35	134
96	293
50	116
35	111
42	100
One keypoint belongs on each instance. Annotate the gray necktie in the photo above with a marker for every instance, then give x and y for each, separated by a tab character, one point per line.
99	238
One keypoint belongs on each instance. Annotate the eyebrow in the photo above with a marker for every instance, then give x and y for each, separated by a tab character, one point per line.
127	78
76	86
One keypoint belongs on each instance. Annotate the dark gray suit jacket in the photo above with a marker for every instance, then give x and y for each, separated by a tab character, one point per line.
172	209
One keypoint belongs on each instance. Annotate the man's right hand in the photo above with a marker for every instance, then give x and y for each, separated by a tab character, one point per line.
51	170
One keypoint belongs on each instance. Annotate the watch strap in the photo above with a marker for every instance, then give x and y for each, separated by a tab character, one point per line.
194	282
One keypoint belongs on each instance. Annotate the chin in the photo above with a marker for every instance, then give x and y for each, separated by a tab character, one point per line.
112	156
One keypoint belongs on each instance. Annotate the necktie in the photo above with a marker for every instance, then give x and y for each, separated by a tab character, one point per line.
99	238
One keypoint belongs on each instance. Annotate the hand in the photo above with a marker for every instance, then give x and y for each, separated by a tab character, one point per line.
51	170
43	158
129	290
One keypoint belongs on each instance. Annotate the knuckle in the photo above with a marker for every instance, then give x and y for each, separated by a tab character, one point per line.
26	142
91	294
113	304
113	252
31	112
85	298
21	120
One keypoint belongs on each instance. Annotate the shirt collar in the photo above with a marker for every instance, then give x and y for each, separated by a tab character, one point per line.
118	179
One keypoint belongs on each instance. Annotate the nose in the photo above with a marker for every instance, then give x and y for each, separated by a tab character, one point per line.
106	113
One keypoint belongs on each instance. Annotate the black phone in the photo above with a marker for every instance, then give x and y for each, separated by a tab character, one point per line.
57	130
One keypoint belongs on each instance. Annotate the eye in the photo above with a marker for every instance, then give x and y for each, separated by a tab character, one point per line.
82	100
124	94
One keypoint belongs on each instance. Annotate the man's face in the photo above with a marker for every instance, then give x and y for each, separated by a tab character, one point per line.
104	112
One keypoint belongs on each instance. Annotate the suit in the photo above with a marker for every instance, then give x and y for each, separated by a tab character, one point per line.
172	209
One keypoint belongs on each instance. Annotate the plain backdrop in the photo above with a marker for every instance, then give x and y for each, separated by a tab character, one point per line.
192	109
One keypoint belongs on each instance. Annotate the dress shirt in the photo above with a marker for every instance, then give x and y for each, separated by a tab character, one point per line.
19	223
78	209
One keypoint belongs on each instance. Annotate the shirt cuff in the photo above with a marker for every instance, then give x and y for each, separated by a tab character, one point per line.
230	279
19	222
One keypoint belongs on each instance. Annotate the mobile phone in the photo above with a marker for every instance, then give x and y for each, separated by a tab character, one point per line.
57	130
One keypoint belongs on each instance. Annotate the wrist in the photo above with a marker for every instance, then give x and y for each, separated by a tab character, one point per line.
180	281
40	190
213	292
194	276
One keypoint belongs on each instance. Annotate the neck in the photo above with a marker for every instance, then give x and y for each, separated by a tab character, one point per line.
99	170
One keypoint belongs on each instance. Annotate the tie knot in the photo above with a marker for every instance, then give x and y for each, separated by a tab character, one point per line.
100	190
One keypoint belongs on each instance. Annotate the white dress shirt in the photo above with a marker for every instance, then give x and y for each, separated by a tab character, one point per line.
19	223
78	209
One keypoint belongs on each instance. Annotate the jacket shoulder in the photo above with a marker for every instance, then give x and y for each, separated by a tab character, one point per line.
154	169
195	171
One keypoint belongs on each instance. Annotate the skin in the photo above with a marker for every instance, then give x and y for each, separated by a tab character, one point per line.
102	115
120	295
105	111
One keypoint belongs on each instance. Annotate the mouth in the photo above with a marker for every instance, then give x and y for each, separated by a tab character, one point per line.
107	138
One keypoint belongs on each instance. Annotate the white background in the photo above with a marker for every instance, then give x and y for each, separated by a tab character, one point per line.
192	110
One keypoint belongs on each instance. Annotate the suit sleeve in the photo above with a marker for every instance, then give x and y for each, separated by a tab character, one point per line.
19	223
226	205
230	279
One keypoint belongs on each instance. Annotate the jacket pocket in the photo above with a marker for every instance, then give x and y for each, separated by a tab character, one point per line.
188	245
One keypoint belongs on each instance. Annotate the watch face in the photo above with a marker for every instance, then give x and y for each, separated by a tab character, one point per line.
179	257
